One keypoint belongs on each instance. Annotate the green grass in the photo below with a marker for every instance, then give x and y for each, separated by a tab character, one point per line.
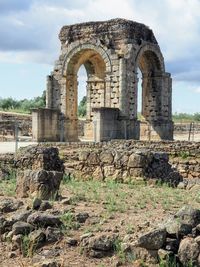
8	185
69	222
120	198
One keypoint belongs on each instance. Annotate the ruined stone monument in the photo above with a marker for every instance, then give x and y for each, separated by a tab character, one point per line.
112	52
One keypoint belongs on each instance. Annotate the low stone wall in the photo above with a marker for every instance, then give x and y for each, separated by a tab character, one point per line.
121	165
7	125
86	160
183	156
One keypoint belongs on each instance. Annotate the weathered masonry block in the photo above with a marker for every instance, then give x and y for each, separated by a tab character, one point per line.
112	52
39	172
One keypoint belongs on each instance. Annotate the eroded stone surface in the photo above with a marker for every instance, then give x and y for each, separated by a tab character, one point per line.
39	172
111	52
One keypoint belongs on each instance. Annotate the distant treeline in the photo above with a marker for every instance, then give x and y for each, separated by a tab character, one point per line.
185	117
24	105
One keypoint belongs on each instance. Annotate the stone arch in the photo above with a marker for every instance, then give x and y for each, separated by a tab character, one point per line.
153	55
151	64
97	64
75	48
111	51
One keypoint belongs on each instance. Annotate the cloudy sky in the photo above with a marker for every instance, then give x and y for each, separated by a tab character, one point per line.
29	44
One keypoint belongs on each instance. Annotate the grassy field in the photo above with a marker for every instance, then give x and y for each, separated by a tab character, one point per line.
127	209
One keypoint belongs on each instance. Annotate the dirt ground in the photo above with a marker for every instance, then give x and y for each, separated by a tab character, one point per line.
127	210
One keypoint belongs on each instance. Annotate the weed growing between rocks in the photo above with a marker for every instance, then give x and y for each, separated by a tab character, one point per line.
8	184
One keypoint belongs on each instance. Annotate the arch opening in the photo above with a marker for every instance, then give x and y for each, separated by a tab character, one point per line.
149	92
94	77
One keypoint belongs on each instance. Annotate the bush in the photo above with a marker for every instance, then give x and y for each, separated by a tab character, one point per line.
25	105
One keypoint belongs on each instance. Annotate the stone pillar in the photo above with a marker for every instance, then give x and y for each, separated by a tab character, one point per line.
106	123
40	174
122	88
45	124
49	92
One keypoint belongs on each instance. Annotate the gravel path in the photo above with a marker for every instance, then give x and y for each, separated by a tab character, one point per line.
9	147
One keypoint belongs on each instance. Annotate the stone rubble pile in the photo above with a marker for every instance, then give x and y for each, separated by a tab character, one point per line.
38	224
39	172
177	240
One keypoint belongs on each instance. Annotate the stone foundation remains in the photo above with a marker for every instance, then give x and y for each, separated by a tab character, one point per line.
39	172
8	122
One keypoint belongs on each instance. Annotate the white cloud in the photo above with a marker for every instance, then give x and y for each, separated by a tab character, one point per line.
30	33
197	90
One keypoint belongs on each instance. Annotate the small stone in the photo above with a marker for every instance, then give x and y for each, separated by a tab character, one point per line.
53	234
72	241
67	201
36	203
22	228
188	215
164	254
9	205
12	255
37	239
22	216
82	217
181	185
45	206
102	242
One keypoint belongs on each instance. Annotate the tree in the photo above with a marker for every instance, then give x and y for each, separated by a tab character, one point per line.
197	116
82	107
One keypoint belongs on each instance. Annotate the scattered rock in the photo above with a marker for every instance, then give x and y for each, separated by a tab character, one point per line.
145	255
21	216
41	219
22	228
9	205
53	234
37	239
72	242
45	205
188	215
82	217
153	240
188	251
99	246
36	203
48	263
